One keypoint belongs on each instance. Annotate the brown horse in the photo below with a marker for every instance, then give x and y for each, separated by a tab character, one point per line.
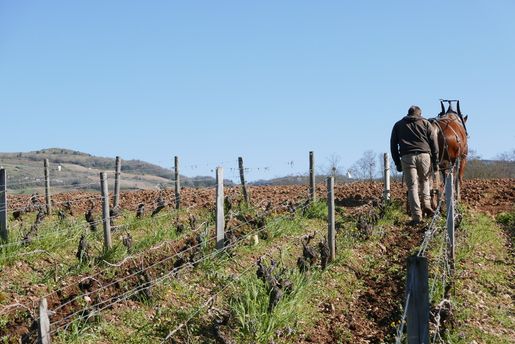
452	137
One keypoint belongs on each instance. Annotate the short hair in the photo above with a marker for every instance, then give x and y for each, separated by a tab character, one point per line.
414	111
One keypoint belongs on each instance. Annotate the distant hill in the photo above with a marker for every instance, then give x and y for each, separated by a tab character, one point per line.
71	169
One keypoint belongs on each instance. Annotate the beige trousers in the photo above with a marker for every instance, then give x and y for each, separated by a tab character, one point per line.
417	172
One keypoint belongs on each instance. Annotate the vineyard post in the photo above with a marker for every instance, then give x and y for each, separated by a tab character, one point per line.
418	305
44	323
242	179
177	183
331	233
47	189
105	211
312	193
220	220
117	171
449	199
4	233
386	177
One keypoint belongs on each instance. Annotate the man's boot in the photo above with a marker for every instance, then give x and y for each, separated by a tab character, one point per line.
428	212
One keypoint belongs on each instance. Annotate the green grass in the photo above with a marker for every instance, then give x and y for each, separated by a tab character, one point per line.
482	307
249	307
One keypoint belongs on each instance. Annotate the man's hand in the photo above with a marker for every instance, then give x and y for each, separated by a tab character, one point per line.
399	168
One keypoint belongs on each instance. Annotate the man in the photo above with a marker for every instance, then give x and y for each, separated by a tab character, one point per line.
414	147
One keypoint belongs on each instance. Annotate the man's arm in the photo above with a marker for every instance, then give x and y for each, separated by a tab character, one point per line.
394	148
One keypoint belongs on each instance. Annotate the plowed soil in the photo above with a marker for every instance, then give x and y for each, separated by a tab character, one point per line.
491	195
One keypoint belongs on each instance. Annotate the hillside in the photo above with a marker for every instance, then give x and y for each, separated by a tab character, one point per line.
80	170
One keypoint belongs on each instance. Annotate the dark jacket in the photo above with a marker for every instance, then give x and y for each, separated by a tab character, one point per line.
413	134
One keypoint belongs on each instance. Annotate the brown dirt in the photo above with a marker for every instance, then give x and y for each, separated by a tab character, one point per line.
492	195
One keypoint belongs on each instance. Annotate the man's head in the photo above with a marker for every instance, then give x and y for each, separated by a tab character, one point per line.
414	111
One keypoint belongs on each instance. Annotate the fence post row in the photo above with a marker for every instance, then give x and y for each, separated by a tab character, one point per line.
331	232
449	199
177	183
44	323
386	177
4	233
105	211
117	171
220	220
47	189
242	180
312	193
418	305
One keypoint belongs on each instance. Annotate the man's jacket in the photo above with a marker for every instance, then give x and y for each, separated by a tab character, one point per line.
413	134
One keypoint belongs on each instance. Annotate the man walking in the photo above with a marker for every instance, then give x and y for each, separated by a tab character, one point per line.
414	147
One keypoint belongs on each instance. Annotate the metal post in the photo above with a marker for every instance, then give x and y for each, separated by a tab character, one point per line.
44	323
117	171
242	179
418	305
47	189
105	211
312	193
4	232
331	232
386	177
220	220
177	184
449	199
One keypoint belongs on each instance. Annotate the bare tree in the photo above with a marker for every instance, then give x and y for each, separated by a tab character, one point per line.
502	167
335	167
366	166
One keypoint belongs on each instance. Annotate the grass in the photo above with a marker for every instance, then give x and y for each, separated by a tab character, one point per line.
482	302
245	301
179	297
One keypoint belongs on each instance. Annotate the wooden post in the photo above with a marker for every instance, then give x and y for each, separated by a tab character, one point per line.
418	305
457	181
117	171
386	177
177	184
331	232
242	180
47	189
44	323
449	199
105	211
4	232
312	192
220	220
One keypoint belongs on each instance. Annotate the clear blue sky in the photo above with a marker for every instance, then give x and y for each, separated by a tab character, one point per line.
269	80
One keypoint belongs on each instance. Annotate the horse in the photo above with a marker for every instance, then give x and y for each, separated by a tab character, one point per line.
451	132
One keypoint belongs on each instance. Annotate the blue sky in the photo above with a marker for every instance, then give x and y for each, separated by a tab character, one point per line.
268	80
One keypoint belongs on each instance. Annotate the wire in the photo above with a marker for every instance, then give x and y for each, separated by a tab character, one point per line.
206	303
213	254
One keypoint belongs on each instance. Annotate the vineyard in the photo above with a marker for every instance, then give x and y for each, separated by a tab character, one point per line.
168	277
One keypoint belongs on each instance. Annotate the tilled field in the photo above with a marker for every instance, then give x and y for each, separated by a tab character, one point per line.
492	195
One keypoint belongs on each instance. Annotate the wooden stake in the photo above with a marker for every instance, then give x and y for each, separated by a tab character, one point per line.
242	180
418	305
177	184
386	177
47	189
449	199
4	232
331	232
312	192
105	212
220	220
117	171
44	323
